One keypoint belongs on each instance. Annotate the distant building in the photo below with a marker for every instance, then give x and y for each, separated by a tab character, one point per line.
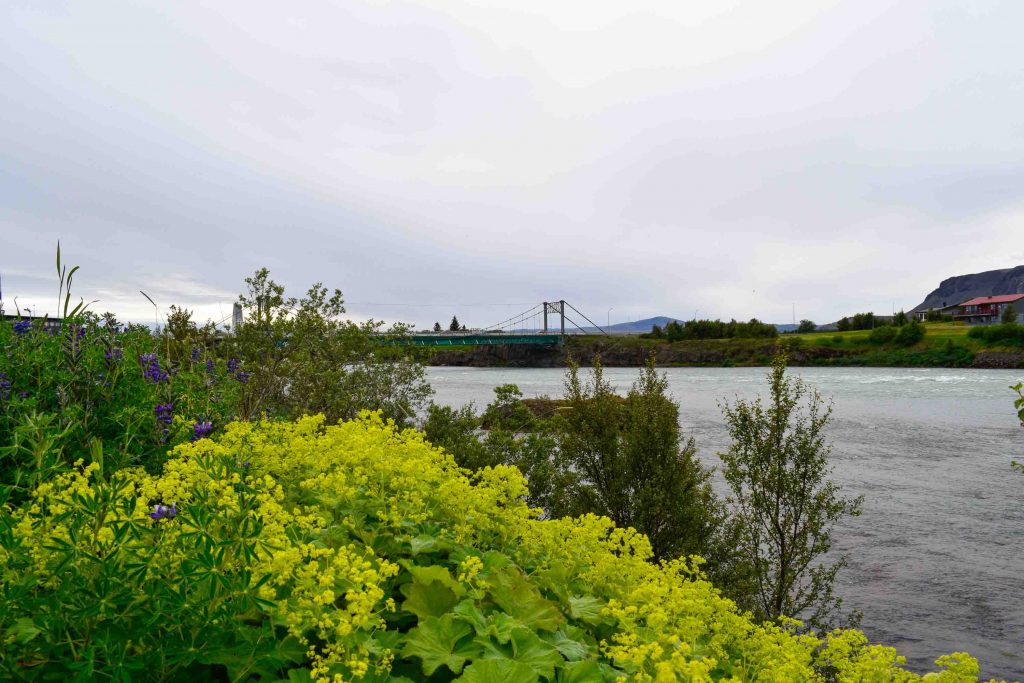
985	310
944	310
48	324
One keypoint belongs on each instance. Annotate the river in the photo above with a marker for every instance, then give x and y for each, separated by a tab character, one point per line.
937	557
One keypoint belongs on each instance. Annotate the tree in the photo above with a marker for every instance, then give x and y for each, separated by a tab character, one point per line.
453	326
298	356
844	324
806	326
900	319
777	468
1009	314
634	466
437	327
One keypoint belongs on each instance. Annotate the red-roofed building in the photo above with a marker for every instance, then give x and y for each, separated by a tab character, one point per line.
989	309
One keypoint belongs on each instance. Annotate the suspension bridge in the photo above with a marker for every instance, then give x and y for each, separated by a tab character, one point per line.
548	322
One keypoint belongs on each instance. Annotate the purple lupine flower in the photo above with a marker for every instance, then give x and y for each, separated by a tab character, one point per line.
5	386
113	355
164	413
233	364
151	368
209	365
22	326
79	331
23	395
201	429
243	377
195	353
161	511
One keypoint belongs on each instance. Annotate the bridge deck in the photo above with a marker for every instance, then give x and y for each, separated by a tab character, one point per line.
475	339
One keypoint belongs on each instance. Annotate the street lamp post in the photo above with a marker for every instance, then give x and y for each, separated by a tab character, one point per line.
608	323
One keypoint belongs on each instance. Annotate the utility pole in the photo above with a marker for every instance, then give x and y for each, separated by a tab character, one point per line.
609	322
545	317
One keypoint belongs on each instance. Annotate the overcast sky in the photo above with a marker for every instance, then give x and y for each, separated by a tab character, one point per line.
729	159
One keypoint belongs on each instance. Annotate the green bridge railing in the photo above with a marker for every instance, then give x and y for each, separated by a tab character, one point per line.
474	339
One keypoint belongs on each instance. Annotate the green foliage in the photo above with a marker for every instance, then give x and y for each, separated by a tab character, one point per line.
716	329
907	334
93	390
305	552
1009	314
883	335
1005	334
777	468
634	465
910	333
806	326
437	327
900	319
844	324
304	358
454	324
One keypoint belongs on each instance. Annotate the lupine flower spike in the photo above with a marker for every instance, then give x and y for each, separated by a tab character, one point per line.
164	511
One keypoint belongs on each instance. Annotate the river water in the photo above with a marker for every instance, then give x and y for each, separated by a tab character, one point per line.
937	557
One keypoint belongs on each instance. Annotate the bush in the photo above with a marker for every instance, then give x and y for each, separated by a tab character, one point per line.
910	333
300	551
882	335
1005	333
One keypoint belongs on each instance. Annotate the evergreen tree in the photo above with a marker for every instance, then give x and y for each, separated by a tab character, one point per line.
437	327
454	325
777	468
1009	314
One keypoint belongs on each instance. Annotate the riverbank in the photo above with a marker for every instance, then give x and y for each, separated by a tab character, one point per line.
944	346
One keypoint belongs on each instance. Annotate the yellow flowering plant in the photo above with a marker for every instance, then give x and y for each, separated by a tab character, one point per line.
301	551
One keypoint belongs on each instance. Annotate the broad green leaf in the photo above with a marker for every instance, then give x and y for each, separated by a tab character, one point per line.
498	671
586	608
571	642
422	544
513	593
432	592
526	648
23	630
580	672
441	642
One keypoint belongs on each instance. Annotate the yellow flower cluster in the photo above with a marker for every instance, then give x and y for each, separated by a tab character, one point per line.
336	511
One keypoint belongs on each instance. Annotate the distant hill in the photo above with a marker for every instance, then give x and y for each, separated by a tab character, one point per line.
958	289
635	327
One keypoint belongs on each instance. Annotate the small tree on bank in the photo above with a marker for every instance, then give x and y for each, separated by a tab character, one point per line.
437	327
634	465
454	326
785	505
806	326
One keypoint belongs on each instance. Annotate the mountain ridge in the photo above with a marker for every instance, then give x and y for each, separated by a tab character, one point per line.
959	288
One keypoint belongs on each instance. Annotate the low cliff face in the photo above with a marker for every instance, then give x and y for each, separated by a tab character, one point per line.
956	290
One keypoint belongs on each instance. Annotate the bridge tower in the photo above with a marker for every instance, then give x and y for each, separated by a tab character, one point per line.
556	307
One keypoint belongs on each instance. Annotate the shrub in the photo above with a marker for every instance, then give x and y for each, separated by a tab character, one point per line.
357	552
910	333
882	335
1005	333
